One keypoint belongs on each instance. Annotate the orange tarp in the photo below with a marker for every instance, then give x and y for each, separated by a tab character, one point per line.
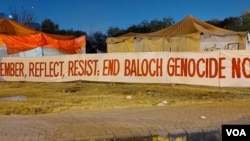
71	46
11	27
17	43
19	38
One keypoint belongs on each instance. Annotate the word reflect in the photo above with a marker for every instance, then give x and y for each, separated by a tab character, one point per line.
45	69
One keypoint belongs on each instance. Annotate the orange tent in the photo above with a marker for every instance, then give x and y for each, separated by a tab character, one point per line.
19	38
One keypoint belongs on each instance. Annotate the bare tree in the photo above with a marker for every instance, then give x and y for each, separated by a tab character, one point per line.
14	14
26	17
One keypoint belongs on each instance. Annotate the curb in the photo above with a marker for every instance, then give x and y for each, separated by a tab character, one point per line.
207	134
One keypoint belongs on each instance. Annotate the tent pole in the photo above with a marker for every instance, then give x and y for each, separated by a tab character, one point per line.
42	51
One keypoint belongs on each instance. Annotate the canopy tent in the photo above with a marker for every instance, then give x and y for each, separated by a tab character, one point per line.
190	34
17	38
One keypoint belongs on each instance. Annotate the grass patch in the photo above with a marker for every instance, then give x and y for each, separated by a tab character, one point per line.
45	98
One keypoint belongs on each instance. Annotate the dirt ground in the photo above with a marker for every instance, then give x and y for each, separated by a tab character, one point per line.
25	98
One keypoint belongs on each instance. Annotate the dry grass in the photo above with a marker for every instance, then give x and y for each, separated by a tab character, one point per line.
82	96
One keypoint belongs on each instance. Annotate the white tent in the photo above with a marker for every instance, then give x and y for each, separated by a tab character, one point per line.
189	35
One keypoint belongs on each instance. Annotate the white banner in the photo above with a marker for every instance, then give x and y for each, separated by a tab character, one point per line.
218	68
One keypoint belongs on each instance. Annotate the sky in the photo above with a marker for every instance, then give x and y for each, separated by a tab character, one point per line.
99	15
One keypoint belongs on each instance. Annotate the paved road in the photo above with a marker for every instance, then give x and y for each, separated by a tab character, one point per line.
152	123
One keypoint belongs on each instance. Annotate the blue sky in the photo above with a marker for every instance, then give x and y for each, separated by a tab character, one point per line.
98	15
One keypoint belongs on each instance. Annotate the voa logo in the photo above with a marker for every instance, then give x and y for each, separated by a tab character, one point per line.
236	132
